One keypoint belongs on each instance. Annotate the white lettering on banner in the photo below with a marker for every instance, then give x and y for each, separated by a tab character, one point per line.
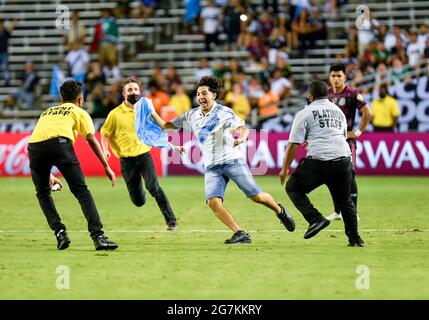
263	154
281	154
400	91
15	158
421	112
407	154
383	151
421	88
424	152
193	147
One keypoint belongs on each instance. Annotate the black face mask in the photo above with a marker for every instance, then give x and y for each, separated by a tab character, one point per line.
133	98
382	95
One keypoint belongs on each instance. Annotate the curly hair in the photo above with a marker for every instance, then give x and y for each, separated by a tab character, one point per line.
213	83
71	90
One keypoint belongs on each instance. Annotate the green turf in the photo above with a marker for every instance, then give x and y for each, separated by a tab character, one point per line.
197	265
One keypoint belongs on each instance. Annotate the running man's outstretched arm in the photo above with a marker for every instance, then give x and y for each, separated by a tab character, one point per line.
243	133
163	124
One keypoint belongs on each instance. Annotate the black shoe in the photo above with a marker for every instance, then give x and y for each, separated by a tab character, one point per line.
101	242
357	242
239	237
172	226
63	241
316	227
286	219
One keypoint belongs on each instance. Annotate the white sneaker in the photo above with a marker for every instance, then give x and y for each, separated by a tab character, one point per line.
337	216
334	216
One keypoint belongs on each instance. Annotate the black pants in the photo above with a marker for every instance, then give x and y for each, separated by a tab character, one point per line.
353	184
133	169
59	152
336	175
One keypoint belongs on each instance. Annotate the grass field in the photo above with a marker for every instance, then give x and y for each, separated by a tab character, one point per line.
193	262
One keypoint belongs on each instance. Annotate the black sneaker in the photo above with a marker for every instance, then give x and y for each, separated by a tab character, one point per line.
316	227
239	237
286	219
357	242
63	241
172	226
101	242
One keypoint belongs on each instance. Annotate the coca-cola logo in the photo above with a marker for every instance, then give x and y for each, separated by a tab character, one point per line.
14	158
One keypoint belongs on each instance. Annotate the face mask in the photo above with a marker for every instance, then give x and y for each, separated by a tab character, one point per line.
382	95
133	98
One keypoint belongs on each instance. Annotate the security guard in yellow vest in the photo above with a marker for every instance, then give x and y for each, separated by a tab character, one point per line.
136	161
51	144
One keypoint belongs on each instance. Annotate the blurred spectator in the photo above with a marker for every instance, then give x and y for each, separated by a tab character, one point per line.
220	69
5	34
266	24
236	100
180	101
399	73
283	66
391	39
423	35
317	24
26	92
159	98
77	60
97	102
231	20
382	75
235	69
257	48
254	92
158	77
271	6
145	9
203	70
172	79
280	85
426	51
382	33
106	38
94	76
385	111
267	103
210	22
285	30
275	42
366	32
414	50
122	9
192	13
302	30
76	33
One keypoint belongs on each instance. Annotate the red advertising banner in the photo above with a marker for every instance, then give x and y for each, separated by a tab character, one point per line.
14	157
377	154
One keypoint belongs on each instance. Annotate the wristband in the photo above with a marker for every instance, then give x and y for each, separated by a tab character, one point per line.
357	133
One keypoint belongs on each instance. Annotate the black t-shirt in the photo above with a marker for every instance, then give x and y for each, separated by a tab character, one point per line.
4	41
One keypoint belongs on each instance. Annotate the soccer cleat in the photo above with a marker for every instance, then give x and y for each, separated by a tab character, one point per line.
357	242
172	226
286	219
337	216
101	242
316	227
239	237
334	216
63	241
